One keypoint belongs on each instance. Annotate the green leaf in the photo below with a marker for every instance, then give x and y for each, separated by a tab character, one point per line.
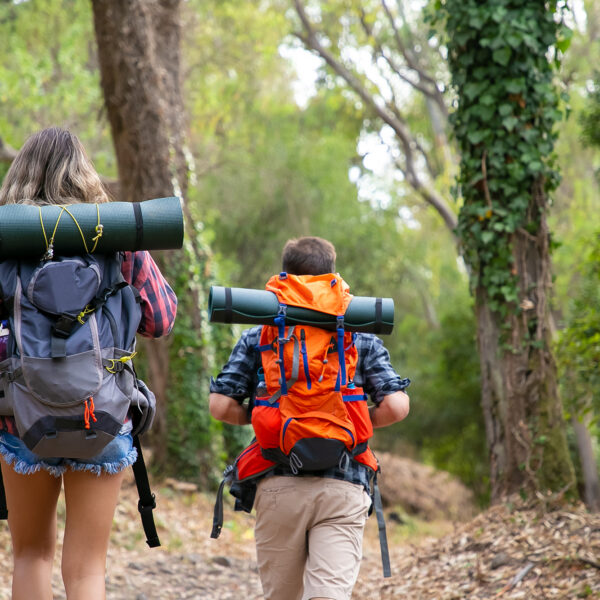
514	40
535	166
510	122
502	56
515	86
487	237
475	136
473	89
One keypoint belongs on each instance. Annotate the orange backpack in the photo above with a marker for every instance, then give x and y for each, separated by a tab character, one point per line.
308	413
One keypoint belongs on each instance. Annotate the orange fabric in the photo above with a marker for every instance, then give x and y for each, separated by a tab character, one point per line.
323	362
367	458
266	421
311	408
359	415
312	291
251	462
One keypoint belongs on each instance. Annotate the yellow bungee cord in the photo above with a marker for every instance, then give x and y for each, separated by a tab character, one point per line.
99	229
112	368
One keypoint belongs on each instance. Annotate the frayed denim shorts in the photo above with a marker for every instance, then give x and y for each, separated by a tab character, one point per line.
116	456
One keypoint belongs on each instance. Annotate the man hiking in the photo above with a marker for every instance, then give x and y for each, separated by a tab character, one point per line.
309	520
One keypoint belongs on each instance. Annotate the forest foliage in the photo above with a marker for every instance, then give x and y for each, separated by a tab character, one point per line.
269	163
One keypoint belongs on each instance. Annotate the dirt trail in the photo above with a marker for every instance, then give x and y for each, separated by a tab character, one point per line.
188	564
508	552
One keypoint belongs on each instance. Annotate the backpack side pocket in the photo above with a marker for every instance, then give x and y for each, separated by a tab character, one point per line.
143	408
6	368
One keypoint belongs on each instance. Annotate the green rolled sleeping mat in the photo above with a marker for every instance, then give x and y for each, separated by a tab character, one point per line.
26	230
260	307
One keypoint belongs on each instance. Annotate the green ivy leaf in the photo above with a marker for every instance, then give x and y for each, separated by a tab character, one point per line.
515	86
502	55
509	123
487	237
475	136
473	89
514	40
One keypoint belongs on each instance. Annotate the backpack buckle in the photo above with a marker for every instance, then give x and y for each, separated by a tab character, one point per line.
64	326
147	508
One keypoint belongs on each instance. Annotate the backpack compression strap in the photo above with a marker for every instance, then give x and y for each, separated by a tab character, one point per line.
218	510
147	502
383	544
3	507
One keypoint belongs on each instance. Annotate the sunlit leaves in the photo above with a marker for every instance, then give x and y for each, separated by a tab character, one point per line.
49	75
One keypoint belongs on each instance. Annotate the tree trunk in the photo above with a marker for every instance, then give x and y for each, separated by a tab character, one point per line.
589	468
138	52
522	410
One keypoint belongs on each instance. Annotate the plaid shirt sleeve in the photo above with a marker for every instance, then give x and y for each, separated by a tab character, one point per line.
238	377
159	303
374	372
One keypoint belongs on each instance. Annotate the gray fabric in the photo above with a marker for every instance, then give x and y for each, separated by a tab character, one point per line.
143	408
51	398
64	286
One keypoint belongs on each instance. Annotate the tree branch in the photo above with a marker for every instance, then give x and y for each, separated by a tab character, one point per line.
388	116
435	95
396	68
432	198
7	153
311	40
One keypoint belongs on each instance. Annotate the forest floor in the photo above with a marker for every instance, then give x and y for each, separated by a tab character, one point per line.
509	551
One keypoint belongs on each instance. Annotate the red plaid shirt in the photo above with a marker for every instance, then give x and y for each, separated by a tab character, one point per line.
159	304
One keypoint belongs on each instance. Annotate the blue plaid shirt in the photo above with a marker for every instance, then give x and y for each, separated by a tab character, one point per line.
374	373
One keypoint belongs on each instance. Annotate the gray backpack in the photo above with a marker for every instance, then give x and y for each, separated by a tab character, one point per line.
68	379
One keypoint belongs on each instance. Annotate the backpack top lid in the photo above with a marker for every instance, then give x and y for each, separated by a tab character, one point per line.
327	293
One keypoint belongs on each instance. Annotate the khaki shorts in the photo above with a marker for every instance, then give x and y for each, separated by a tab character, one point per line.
309	534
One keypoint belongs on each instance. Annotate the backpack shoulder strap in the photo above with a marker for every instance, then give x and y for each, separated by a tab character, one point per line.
383	543
228	475
3	507
147	501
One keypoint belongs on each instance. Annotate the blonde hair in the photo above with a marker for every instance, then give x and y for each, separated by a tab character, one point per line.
52	167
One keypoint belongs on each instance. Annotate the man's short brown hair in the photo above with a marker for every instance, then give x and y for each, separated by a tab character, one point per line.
308	256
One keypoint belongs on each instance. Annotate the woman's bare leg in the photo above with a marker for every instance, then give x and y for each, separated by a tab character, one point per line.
31	501
90	506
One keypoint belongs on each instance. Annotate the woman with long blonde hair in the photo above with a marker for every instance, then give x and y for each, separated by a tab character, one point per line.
53	168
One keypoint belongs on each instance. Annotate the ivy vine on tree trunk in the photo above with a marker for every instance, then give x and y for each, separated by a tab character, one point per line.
502	55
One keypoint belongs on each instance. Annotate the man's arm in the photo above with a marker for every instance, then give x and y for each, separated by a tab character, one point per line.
381	382
226	409
236	381
393	408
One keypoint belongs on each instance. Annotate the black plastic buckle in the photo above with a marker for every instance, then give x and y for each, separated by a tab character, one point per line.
148	508
64	326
